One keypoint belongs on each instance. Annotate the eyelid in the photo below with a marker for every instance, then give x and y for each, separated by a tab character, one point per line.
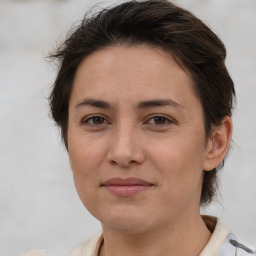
85	120
167	118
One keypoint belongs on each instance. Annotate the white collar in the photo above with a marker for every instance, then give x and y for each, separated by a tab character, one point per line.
220	233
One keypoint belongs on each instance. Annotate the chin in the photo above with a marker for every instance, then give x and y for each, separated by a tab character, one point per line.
125	220
126	227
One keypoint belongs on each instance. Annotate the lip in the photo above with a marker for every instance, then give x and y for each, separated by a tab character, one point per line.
126	182
126	187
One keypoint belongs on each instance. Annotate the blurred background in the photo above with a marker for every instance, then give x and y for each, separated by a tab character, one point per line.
39	207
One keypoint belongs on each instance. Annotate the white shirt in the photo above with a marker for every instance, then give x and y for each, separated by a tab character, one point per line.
221	243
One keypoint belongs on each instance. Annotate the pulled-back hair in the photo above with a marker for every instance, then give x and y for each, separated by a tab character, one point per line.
161	24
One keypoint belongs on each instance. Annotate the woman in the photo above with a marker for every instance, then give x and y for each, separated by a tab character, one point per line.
144	102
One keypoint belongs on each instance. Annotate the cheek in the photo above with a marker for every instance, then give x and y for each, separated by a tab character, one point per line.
179	152
85	154
85	160
180	165
83	164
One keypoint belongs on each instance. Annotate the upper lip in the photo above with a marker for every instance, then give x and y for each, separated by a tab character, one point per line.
126	182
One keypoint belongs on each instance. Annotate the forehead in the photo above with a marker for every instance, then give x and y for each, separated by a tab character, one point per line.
131	73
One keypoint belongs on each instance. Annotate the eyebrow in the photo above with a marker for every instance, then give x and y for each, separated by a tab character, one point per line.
142	105
159	103
94	102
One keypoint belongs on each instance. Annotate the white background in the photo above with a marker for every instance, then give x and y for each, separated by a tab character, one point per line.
39	207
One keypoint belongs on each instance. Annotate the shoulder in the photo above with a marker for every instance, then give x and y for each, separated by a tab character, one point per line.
34	253
234	246
90	247
81	249
223	242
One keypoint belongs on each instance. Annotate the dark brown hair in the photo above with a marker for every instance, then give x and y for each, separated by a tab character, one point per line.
156	23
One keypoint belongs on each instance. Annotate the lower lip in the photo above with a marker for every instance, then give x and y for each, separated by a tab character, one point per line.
126	191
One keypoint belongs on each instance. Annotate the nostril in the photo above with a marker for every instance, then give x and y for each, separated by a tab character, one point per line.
124	151
123	163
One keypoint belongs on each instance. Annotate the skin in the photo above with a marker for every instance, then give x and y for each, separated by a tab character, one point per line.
164	145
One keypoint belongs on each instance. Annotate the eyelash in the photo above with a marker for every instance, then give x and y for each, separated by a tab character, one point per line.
86	120
166	120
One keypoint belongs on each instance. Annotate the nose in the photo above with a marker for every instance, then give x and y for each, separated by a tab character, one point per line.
125	148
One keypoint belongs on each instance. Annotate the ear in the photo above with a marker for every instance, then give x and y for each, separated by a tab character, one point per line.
218	144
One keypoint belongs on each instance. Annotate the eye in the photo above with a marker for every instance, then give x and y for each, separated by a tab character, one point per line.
159	121
95	120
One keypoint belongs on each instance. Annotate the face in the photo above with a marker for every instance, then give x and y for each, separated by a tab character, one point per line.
136	138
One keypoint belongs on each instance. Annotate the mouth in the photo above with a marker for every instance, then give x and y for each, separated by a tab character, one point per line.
126	187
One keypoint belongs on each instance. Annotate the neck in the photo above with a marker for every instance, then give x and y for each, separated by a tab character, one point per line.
187	236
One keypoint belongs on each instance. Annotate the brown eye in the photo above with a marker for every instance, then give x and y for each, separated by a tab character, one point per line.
98	120
159	120
95	120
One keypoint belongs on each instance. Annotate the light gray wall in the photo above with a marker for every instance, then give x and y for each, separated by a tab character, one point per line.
39	207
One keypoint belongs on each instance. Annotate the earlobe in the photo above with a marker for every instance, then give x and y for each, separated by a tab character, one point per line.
218	144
